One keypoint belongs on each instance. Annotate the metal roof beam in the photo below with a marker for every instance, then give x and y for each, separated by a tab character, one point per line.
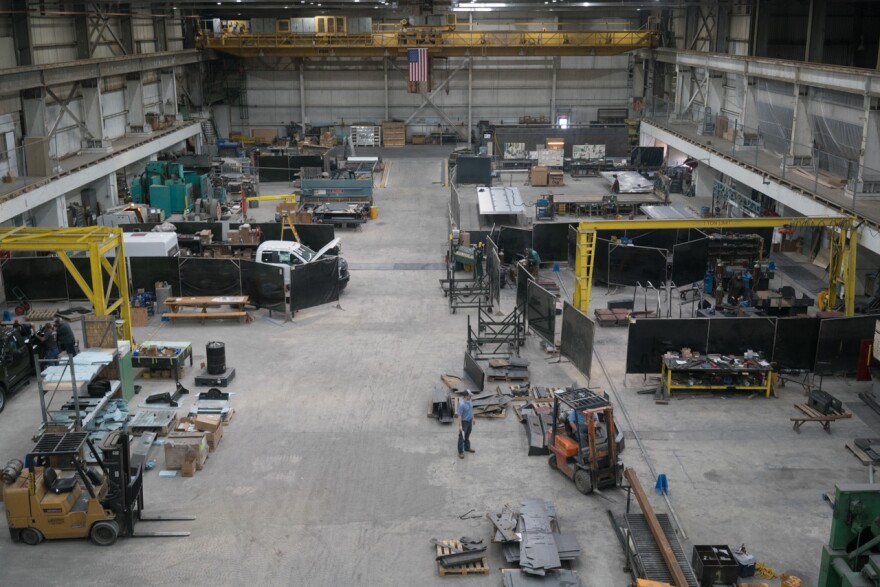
16	79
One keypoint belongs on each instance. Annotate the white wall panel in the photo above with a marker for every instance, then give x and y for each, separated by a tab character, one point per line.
113	108
54	39
503	90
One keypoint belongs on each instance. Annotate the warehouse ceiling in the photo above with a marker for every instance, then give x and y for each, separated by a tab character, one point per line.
401	8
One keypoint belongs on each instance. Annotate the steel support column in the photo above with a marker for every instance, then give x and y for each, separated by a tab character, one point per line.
302	96
134	103
385	73
553	93
168	92
470	128
93	115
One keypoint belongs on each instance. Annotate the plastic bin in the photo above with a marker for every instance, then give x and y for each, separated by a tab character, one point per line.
714	564
746	563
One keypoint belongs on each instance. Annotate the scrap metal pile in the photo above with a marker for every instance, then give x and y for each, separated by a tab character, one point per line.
531	537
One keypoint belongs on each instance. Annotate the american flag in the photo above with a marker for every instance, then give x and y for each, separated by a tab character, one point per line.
419	70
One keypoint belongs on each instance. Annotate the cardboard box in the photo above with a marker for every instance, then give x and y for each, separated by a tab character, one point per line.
181	447
539	175
212	426
205	236
418	139
207	423
556	178
139	317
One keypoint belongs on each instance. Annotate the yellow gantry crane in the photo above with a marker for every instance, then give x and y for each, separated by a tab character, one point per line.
97	242
841	268
545	39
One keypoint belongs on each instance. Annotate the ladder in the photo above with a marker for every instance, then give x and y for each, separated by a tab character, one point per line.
209	131
287	224
583	268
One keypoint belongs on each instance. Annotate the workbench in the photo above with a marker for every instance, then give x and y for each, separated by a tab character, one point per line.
182	350
204	302
716	372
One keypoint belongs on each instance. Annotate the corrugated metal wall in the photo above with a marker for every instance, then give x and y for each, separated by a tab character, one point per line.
503	90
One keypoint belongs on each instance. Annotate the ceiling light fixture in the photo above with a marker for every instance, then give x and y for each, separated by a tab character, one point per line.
472	9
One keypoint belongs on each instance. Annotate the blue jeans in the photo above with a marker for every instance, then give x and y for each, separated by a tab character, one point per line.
464	437
52	355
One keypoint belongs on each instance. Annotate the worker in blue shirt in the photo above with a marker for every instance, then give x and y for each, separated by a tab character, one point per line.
465	424
577	421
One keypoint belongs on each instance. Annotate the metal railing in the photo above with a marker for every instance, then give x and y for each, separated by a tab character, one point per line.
834	178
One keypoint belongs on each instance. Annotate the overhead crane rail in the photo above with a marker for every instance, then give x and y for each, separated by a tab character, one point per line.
550	39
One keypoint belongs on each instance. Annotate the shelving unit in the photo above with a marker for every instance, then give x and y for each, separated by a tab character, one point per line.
366	136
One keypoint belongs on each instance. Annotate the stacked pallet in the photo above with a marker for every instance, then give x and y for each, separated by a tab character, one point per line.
393	134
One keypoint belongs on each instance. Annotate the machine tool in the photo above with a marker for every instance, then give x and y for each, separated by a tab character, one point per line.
852	556
163	185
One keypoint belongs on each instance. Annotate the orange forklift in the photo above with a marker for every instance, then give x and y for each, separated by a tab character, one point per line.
583	446
56	494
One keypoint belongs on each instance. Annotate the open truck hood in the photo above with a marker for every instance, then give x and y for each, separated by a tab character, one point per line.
325	248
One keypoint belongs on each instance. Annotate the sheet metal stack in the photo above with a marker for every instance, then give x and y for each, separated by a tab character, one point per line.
491	403
537	417
531	538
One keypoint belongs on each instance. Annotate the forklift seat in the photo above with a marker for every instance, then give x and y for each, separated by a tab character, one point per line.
56	484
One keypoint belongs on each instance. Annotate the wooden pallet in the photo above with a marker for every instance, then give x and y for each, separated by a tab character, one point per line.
448	547
159	421
860	454
507	378
38	315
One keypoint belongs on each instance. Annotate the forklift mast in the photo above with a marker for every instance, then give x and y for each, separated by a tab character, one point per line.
126	495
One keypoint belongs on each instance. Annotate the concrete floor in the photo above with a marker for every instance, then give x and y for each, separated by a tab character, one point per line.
331	474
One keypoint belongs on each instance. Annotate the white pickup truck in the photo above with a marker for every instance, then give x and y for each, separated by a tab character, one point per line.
287	254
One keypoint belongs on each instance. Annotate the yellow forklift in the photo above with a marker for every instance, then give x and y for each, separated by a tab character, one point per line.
585	452
56	494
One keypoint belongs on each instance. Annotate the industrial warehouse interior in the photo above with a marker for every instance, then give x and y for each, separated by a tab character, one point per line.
532	293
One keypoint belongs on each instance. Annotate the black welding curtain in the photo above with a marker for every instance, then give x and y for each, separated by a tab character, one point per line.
38	278
576	343
314	284
210	277
263	284
541	312
146	271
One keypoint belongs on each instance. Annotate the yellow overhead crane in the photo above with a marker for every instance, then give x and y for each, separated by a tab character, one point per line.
97	242
841	268
532	39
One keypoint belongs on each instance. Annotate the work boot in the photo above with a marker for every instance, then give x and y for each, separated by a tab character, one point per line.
470	450
461	455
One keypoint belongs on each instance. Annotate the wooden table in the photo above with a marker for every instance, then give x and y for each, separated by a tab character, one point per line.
203	303
813	415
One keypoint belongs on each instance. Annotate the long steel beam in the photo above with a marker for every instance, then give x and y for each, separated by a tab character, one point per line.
656	530
853	80
16	79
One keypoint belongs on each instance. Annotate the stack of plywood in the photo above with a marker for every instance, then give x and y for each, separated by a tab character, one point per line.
393	134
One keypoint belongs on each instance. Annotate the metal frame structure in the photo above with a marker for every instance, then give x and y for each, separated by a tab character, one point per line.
97	242
841	269
505	336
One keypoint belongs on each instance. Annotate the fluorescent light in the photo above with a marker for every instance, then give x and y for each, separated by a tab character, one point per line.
471	9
